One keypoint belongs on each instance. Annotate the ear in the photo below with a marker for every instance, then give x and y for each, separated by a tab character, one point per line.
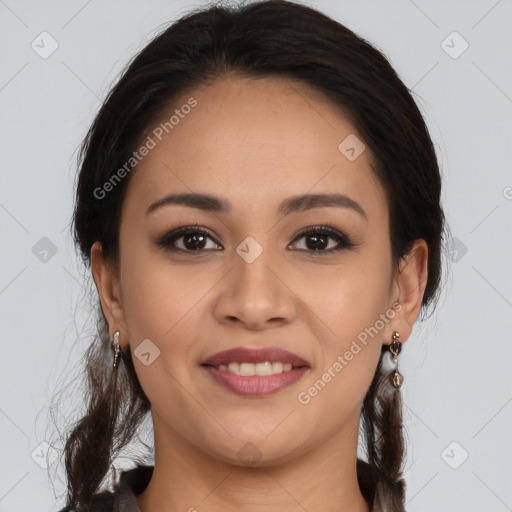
107	283
410	283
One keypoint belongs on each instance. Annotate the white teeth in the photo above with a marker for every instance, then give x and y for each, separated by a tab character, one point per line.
277	367
261	369
247	369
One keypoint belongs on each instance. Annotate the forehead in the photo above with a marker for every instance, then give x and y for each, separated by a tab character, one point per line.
254	140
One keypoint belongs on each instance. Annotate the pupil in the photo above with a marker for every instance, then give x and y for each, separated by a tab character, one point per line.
194	238
317	244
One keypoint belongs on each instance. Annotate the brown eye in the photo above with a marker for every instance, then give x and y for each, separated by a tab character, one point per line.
318	239
194	239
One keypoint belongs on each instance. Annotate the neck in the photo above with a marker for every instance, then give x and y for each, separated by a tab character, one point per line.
185	478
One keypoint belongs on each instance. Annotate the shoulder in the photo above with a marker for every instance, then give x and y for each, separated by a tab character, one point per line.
101	502
381	497
123	497
367	480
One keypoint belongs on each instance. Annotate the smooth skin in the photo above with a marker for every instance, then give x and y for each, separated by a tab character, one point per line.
256	143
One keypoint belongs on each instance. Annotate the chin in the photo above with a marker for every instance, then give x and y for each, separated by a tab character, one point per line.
258	453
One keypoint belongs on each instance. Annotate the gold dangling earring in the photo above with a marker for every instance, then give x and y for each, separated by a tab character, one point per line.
115	347
395	347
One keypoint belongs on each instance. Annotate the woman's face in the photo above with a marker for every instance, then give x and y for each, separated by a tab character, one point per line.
269	152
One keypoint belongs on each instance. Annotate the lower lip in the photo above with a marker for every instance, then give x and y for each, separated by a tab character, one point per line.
255	385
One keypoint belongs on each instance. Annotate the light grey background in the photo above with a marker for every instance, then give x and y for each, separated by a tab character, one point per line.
458	386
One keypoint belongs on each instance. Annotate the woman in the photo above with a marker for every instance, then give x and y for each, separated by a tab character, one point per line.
259	203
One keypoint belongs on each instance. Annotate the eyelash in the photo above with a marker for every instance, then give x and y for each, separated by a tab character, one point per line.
344	243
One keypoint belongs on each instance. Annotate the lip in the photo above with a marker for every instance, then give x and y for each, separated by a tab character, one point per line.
259	355
255	385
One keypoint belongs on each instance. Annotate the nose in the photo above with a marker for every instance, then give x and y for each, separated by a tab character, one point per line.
255	295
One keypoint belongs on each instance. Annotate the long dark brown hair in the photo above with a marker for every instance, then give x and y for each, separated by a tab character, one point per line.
256	40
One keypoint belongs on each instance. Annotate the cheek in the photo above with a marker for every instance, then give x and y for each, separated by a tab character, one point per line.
352	316
156	294
162	304
350	347
349	297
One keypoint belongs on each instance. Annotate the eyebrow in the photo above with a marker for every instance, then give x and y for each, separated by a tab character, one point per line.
293	204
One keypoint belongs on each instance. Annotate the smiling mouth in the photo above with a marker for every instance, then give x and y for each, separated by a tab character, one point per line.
260	369
255	372
268	360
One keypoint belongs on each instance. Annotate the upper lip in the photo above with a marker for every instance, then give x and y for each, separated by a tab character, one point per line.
259	355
